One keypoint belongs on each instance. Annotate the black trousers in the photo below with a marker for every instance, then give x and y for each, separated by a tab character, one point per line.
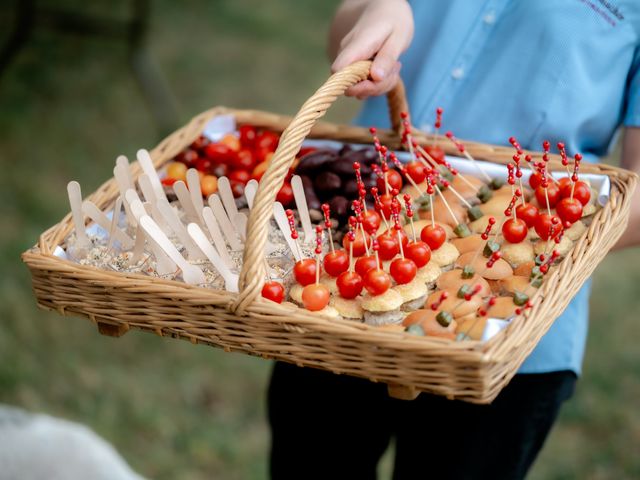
328	426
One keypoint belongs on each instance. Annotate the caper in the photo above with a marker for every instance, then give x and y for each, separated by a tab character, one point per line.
461	337
463	290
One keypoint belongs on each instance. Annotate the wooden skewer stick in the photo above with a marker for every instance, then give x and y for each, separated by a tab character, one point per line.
224	190
436	164
171	217
92	211
216	235
184	197
75	201
195	192
463	150
190	273
230	278
282	222
453	216
225	224
150	171
303	209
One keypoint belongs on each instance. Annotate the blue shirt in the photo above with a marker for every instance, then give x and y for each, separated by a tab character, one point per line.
557	70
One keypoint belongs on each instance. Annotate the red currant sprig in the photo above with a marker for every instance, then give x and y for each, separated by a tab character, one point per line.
436	305
438	122
576	166
563	154
484	310
487	231
495	256
516	195
525	307
407	205
469	295
292	224
458	144
516	145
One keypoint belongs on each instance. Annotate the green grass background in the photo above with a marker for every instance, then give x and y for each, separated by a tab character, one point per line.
69	105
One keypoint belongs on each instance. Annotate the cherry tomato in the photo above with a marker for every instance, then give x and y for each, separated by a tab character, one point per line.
209	185
237	188
285	194
245	160
544	224
514	230
267	140
436	152
553	192
241	176
204	165
581	192
534	180
403	270
394	179
416	171
259	170
315	297
376	281
200	142
371	220
304	271
189	157
358	245
219	170
434	236
349	284
220	153
366	263
562	184
528	213
389	245
273	291
569	210
231	141
419	252
385	200
247	135
336	262
177	171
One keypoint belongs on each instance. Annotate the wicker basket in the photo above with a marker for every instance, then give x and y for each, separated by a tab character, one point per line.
472	371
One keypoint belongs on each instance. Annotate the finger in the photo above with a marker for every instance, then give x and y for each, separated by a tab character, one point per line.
386	58
370	88
362	45
360	89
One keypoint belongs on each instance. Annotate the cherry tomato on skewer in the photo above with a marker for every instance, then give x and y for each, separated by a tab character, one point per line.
569	210
389	245
437	153
403	270
419	252
544	223
304	271
349	284
434	236
273	291
514	230
366	263
315	297
416	171
528	213
336	262
553	192
371	221
358	245
377	281
394	179
581	192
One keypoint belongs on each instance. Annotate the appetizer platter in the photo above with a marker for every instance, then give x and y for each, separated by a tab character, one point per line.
421	261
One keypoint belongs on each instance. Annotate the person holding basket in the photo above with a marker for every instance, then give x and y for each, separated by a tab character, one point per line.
546	70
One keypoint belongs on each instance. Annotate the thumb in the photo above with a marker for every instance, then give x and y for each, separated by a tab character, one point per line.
359	45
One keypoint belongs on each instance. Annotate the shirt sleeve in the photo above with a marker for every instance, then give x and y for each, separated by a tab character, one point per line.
632	113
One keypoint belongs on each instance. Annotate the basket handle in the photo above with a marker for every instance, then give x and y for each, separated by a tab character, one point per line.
253	271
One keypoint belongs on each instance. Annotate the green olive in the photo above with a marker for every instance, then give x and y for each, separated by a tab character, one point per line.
468	272
490	248
444	319
496	183
474	213
520	298
415	329
462	230
484	194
